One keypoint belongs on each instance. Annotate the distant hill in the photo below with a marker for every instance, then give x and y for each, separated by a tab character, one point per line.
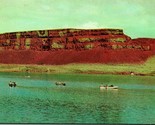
63	46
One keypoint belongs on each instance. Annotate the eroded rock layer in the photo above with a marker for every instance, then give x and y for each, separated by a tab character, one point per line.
64	46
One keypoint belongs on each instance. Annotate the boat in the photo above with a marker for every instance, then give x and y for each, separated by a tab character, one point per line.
60	83
27	76
12	84
108	87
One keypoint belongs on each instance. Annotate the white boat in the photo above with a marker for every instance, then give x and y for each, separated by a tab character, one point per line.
108	87
60	83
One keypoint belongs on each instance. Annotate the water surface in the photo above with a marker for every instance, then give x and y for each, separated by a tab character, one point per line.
37	99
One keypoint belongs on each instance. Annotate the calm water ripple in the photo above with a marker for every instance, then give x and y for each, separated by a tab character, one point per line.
38	100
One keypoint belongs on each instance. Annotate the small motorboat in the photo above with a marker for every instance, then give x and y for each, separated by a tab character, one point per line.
27	76
12	84
108	87
60	83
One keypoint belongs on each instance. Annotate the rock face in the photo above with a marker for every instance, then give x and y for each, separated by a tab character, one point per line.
73	39
73	46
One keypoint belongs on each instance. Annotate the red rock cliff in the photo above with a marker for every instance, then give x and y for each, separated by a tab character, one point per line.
73	46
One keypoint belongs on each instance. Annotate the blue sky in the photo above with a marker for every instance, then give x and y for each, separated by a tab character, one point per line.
135	17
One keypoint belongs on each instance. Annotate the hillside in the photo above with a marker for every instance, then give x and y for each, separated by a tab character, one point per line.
64	46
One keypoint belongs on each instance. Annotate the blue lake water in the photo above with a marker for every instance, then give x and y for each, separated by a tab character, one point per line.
37	99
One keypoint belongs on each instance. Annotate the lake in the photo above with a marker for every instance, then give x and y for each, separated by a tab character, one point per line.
37	99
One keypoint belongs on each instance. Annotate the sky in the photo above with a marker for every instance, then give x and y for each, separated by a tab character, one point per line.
135	17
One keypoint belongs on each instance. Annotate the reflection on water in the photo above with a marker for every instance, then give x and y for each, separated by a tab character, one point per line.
37	99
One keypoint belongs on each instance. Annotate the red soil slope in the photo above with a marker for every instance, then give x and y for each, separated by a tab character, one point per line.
65	56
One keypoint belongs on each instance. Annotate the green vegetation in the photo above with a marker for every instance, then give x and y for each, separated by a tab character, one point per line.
117	40
74	30
57	45
89	46
28	42
114	46
62	33
148	68
87	39
84	40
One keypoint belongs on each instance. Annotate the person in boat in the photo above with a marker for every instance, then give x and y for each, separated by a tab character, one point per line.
111	86
106	85
60	83
12	84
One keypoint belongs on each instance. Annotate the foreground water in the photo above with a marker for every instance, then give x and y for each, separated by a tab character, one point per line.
37	99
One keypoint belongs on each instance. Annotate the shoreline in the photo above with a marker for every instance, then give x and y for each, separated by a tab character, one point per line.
145	69
81	72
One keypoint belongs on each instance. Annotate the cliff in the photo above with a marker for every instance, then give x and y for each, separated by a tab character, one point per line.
64	46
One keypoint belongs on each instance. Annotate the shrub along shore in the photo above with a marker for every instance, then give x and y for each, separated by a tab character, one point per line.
147	68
